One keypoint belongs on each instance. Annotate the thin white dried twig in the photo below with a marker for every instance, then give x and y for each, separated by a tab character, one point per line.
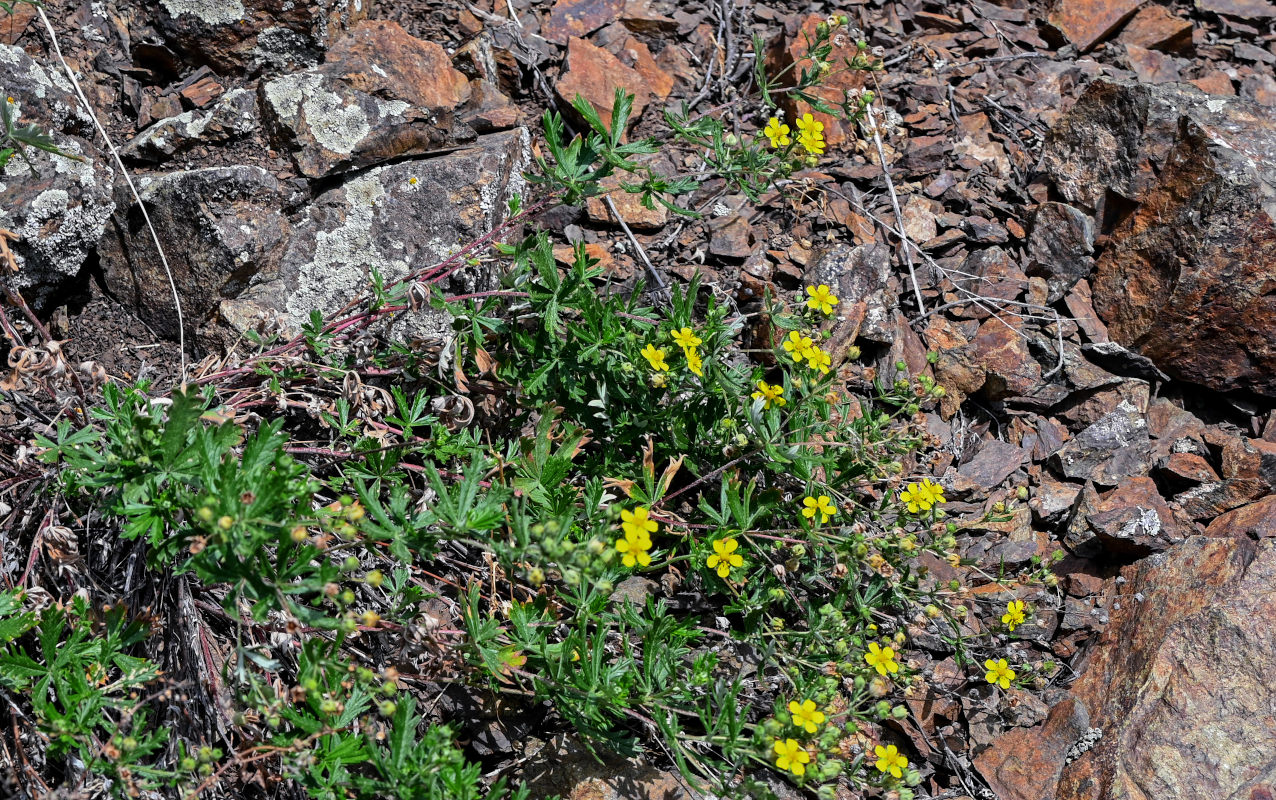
899	217
84	101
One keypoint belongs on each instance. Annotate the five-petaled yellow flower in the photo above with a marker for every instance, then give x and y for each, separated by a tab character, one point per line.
936	491
821	505
806	715
915	498
655	357
811	134
777	132
694	362
1014	614
686	339
724	557
633	549
881	659
890	760
999	673
791	756
798	346
636	522
772	394
818	359
821	299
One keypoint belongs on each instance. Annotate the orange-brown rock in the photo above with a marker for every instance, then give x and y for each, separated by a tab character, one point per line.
595	74
575	18
1024	762
792	49
1155	27
1254	521
1088	22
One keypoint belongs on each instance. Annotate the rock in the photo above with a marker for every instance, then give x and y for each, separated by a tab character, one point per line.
380	94
1241	9
1259	88
860	276
233	117
236	36
1060	247
1130	521
1080	305
995	461
1182	683
595	74
1200	306
58	213
918	215
578	18
1022	762
1052	500
1254	521
1187	468
991	274
1000	348
1155	27
218	226
1151	66
1119	360
1088	22
628	204
633	52
732	237
1112	449
791	47
391	219
569	769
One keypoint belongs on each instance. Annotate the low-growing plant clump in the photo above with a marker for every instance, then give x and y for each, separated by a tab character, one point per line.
590	501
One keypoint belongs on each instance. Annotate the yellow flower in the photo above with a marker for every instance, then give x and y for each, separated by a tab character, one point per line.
686	339
890	760
999	673
636	522
935	491
772	394
694	362
810	126
813	143
724	557
916	498
806	715
791	757
655	357
798	346
881	659
821	505
633	549
777	132
1014	614
818	359
821	299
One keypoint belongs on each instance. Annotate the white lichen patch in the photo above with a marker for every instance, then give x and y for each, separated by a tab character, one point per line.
58	234
303	99
214	12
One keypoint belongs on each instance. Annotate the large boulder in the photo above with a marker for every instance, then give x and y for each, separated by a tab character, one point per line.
380	94
392	219
57	206
248	35
218	226
1189	181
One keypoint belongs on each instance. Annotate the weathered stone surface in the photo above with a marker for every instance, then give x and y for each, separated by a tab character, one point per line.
1112	449
577	18
1088	22
1021	764
1157	28
232	117
991	273
860	276
247	35
1189	279
393	219
60	212
1242	9
218	227
1060	247
1187	468
1000	348
628	204
380	94
567	768
1182	683
1152	66
1129	521
994	462
791	47
1051	500
1254	521
595	74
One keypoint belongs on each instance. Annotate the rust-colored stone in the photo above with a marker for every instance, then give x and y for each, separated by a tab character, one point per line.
1024	762
203	91
574	18
1155	27
595	74
1254	521
1088	22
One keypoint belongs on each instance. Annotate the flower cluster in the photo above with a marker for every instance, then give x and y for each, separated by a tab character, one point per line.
686	339
810	134
801	348
635	544
920	497
790	755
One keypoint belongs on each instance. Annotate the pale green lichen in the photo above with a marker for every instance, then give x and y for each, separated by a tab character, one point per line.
336	125
213	12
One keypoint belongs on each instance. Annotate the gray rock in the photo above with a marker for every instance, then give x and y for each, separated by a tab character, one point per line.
994	462
1114	448
60	210
233	116
1060	247
392	219
218	226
